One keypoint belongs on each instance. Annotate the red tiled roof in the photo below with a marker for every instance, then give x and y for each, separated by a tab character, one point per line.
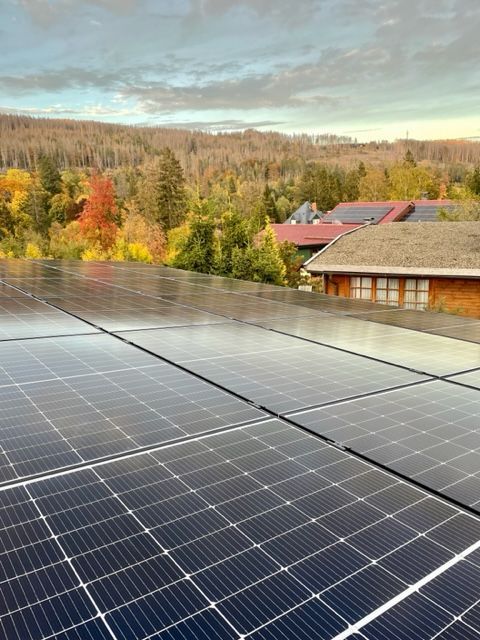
310	235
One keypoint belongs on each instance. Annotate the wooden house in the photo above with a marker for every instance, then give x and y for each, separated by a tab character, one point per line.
415	265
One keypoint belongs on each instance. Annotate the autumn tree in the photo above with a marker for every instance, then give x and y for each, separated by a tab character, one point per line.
373	186
97	220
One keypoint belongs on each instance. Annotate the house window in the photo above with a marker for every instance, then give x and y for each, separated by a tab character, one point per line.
416	293
361	287
387	291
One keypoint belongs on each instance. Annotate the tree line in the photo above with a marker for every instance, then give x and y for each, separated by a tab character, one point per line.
156	212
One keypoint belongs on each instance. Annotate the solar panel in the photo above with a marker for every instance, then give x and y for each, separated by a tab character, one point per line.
469	332
134	312
432	354
29	318
358	214
429	433
252	363
140	501
246	533
427	212
68	401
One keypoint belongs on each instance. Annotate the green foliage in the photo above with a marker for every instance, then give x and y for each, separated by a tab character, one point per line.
292	262
198	252
161	195
472	181
235	234
464	210
49	175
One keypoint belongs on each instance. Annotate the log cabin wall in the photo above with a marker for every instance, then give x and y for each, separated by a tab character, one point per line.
454	295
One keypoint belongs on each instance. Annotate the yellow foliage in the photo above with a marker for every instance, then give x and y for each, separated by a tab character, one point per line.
93	253
175	239
32	251
15	180
139	252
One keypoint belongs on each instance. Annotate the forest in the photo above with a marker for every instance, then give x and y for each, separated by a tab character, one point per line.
93	191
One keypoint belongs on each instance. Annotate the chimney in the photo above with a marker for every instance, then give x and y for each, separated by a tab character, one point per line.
314	206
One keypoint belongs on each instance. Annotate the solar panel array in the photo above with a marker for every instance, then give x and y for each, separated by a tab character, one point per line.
186	456
359	214
427	212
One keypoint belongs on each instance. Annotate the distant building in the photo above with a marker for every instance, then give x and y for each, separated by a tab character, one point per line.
310	238
306	214
373	212
415	265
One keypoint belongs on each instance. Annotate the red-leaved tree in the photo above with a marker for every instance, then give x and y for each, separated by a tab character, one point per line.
97	220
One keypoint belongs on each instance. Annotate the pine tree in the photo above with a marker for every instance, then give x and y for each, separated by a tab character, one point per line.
49	175
199	249
171	190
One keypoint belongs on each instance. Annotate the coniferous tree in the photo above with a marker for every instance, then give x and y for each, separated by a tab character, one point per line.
49	175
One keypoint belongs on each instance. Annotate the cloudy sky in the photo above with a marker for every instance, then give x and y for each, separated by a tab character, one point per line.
371	69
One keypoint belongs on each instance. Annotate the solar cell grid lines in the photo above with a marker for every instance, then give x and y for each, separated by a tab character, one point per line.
232	535
430	434
278	378
432	354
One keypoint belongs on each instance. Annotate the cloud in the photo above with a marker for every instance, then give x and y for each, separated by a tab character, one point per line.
223	125
47	12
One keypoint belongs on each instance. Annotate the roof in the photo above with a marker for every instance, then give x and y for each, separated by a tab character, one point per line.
304	214
448	248
427	210
310	235
382	212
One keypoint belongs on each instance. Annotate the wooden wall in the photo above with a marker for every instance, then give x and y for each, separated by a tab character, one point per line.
455	295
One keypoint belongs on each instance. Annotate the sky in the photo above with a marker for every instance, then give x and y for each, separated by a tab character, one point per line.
368	69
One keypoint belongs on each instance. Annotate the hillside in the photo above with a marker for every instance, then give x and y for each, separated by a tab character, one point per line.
250	154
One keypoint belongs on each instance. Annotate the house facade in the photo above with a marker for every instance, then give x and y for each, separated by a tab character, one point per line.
415	265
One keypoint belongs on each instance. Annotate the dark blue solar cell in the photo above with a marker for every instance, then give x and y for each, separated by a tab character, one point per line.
381	538
458	533
100	534
166	511
415	617
29	558
416	559
24	591
272	523
23	535
156	611
206	625
264	601
299	543
457	589
210	549
249	505
116	556
92	630
458	631
310	620
327	567
362	593
472	617
325	501
48	618
351	518
236	573
134	582
189	528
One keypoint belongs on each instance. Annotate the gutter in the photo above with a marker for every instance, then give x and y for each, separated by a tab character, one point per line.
307	262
